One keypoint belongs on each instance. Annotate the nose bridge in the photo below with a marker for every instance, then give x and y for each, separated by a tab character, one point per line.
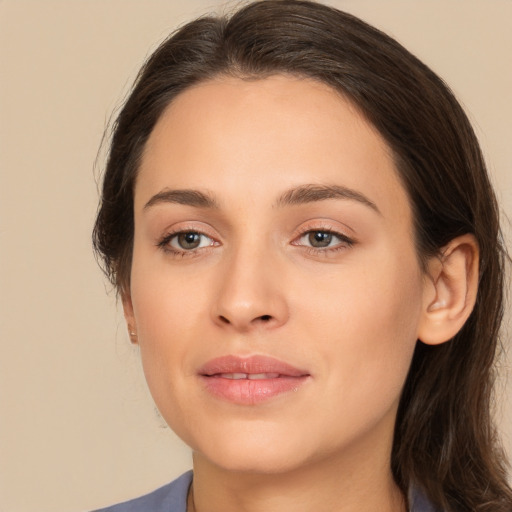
249	292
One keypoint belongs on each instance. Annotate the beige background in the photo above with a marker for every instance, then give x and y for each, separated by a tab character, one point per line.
77	427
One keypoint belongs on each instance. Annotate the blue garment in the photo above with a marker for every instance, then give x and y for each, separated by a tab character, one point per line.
418	502
169	498
173	498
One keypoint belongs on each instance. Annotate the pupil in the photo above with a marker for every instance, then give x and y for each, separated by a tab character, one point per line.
320	239
189	240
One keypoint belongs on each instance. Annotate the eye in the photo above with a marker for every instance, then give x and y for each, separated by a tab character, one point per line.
189	240
324	239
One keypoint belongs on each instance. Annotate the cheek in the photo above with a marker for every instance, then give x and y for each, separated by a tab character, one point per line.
366	320
169	312
166	301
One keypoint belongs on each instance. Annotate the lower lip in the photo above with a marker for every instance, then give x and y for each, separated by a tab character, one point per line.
251	392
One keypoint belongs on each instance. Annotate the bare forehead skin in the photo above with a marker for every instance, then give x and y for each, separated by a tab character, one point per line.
264	125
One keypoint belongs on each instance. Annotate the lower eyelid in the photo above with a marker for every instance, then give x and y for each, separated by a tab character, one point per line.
328	252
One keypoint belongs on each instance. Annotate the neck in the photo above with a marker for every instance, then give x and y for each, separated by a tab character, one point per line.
327	485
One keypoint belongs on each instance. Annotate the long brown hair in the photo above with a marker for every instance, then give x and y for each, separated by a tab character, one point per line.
445	441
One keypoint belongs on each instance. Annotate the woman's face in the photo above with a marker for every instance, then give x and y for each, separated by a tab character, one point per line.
275	288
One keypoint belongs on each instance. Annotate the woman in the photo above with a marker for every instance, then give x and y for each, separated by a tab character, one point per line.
298	219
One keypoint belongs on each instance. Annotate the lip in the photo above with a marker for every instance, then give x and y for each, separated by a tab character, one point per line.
250	380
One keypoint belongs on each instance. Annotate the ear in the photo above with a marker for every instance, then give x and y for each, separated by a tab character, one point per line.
129	315
451	286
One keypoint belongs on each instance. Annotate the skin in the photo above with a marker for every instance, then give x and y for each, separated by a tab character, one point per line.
349	313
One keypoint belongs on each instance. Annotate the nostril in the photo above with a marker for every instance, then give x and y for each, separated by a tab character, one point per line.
262	318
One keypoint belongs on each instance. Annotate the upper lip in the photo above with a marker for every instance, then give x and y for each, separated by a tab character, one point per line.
256	364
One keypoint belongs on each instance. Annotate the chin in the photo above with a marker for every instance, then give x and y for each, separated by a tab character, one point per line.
257	461
260	450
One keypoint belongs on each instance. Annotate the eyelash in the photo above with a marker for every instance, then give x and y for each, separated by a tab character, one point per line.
165	244
345	242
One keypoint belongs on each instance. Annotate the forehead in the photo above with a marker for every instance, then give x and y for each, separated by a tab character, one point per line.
232	135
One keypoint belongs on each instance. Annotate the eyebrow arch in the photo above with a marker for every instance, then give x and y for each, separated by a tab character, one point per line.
312	193
185	196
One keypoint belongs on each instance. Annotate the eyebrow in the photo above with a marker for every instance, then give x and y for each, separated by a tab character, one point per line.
311	193
296	196
186	196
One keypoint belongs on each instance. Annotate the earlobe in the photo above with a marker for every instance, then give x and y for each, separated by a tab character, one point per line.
129	316
450	291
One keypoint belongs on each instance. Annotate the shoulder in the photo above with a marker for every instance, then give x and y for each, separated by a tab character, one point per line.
169	498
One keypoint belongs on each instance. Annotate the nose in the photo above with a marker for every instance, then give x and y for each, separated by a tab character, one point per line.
251	292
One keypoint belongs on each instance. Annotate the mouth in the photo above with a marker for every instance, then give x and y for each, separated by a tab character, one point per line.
250	380
250	376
